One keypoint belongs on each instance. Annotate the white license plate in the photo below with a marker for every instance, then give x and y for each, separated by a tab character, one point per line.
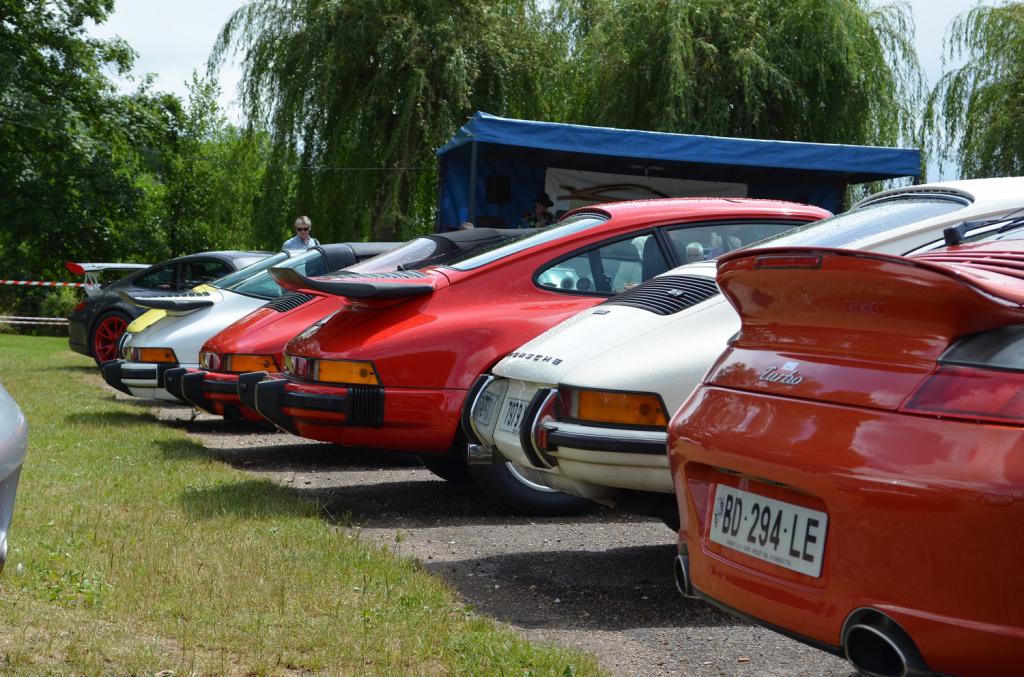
784	534
512	414
483	412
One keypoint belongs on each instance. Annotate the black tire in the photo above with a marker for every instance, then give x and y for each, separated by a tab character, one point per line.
510	485
447	468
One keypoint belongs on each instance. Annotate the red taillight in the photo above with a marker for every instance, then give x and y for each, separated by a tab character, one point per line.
74	268
549	408
970	393
788	261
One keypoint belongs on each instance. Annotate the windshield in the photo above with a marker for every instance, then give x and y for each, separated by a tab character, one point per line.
411	252
570	226
309	263
872	219
229	281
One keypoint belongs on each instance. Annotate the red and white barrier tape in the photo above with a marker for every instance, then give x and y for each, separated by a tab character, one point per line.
36	283
16	319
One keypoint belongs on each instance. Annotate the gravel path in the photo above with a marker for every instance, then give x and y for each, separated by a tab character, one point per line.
601	582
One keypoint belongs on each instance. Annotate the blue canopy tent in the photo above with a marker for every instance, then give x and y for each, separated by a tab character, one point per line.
493	167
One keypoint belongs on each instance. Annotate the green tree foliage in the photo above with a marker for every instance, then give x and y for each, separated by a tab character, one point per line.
841	71
358	94
88	173
63	182
975	110
384	83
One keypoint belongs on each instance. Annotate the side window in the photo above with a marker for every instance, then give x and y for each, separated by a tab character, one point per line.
609	269
161	279
202	272
709	241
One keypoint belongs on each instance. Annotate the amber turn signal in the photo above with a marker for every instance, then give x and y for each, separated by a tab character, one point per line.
345	371
240	364
155	355
617	408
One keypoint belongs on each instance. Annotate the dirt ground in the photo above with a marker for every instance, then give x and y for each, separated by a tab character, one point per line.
601	582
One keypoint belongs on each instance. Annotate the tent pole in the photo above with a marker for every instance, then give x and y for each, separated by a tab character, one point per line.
472	182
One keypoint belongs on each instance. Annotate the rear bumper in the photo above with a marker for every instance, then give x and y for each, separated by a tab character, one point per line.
78	336
213	392
593	461
920	517
376	417
139	379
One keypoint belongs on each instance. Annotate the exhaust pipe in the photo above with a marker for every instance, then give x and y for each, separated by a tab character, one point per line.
681	573
479	454
878	647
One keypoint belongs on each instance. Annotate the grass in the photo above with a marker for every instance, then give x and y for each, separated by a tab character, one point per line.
135	552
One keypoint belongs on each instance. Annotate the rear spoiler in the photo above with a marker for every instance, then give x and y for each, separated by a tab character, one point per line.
92	271
368	288
843	299
179	304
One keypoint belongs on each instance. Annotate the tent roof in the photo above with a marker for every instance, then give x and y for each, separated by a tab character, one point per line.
630	151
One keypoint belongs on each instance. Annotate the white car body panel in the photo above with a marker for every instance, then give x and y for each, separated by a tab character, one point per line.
621	348
185	334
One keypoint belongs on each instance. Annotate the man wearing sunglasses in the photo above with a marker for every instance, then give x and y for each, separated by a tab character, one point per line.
302	239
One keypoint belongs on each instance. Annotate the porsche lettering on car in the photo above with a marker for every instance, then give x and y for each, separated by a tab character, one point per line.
392	368
594	423
871	507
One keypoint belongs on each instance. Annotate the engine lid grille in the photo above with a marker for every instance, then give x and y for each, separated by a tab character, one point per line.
283	304
393	275
667	294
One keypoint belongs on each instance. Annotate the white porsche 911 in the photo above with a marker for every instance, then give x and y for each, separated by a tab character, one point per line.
584	407
148	351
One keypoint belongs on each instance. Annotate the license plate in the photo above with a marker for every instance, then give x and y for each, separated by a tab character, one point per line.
512	415
784	534
483	412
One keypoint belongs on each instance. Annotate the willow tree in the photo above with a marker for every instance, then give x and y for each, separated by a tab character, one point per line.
976	109
358	94
840	71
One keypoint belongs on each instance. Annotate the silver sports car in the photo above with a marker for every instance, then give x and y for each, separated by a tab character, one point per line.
13	445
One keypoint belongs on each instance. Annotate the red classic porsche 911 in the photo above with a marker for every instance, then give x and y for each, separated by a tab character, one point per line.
256	341
851	472
391	369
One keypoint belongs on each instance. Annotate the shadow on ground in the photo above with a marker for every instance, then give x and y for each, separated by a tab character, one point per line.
572	588
111	418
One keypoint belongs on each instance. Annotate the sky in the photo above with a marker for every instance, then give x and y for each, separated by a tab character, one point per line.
174	38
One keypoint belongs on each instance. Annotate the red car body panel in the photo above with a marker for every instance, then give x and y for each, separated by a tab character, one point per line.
924	511
429	349
264	331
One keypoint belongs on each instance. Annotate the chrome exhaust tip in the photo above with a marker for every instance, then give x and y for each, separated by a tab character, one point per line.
681	573
479	454
877	646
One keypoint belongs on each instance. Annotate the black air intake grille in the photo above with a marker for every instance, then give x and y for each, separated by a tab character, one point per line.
283	304
667	294
366	406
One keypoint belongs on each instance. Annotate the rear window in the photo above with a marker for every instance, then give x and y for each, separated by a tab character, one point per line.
568	227
412	252
229	281
309	263
871	219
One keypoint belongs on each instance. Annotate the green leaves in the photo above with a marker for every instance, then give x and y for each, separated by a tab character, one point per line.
974	111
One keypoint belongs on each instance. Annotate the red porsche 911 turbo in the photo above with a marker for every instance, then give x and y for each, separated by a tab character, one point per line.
851	471
256	342
391	369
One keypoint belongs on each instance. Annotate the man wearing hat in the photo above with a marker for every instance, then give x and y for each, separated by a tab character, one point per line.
539	217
